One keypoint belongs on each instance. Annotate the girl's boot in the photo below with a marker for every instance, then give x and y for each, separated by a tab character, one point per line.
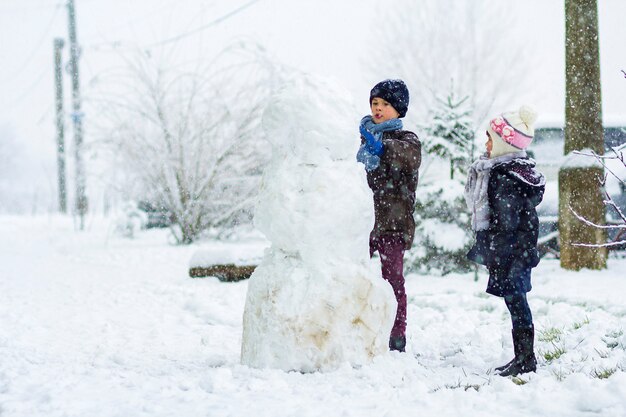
517	353
524	361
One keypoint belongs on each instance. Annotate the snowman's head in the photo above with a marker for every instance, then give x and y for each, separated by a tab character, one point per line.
310	117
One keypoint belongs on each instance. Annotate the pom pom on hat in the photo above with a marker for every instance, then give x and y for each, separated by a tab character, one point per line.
394	92
528	115
522	120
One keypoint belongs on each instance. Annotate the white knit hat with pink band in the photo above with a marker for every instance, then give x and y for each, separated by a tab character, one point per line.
512	131
509	134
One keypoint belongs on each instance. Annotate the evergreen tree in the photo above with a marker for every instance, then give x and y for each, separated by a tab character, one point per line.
451	134
443	235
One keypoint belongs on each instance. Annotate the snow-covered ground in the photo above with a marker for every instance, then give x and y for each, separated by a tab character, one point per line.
93	324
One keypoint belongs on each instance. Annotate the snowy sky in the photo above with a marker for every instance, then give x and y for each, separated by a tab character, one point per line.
327	37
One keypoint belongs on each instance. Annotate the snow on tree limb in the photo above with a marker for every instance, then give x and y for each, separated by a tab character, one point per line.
618	154
603	245
599	226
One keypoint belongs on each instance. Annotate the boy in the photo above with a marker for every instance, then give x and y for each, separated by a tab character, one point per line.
392	157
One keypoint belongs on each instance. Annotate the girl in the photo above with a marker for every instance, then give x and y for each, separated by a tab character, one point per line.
502	190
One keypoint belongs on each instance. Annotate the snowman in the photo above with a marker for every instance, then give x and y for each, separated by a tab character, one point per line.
316	300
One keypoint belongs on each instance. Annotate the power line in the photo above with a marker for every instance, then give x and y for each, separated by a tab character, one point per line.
42	39
144	17
29	8
118	44
121	44
40	76
201	28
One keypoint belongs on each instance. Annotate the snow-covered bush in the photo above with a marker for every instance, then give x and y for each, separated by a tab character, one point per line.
129	220
192	140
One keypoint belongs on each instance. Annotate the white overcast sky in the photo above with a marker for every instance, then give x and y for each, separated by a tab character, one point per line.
319	36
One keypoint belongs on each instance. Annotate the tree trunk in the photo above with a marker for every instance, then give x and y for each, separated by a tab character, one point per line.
579	186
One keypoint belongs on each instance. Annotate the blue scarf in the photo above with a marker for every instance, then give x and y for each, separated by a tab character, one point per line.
370	161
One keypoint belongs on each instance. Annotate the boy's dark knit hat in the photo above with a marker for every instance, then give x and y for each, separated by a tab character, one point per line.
394	92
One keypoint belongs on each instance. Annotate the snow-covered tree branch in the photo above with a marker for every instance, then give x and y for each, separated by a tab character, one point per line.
615	165
191	141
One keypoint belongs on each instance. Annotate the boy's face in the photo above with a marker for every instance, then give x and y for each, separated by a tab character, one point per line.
382	110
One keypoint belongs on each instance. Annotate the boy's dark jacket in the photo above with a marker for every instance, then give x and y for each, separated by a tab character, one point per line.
393	184
515	189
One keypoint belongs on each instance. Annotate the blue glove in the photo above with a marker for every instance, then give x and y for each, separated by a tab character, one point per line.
372	145
370	161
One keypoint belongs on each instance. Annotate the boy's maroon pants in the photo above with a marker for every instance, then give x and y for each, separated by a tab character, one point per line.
391	250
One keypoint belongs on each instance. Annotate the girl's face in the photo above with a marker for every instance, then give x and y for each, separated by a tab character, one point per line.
489	144
382	110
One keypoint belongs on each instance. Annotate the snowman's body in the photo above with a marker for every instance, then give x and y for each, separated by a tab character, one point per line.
316	300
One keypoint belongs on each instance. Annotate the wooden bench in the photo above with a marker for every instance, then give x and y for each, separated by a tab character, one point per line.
225	272
227	261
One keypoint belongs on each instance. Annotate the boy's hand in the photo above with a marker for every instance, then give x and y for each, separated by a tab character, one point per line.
374	146
367	134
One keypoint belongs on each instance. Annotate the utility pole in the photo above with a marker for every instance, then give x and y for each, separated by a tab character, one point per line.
58	83
77	118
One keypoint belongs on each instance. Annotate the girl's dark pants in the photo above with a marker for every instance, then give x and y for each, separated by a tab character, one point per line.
391	250
512	284
520	311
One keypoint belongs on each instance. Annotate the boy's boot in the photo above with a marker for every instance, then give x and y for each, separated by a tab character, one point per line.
397	343
525	361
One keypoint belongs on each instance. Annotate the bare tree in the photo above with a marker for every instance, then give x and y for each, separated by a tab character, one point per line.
579	188
192	140
428	43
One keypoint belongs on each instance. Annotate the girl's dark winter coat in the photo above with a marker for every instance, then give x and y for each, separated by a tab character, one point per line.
509	246
394	183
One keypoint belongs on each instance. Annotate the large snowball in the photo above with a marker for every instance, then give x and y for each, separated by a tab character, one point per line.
316	300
